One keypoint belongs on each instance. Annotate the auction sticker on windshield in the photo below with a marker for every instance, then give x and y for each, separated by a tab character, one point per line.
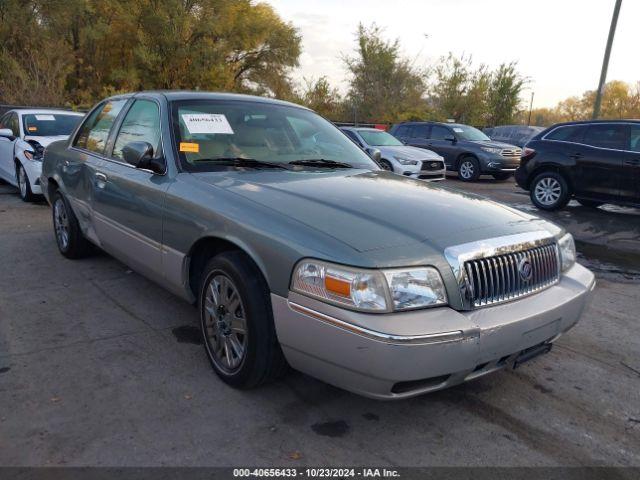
46	118
207	123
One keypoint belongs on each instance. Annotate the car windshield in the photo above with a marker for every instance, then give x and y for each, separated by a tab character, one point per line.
378	138
50	124
465	132
211	133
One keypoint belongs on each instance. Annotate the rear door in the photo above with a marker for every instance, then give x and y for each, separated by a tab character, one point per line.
128	202
418	135
631	163
600	166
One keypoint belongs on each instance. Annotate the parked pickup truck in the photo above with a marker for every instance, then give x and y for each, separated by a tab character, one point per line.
298	250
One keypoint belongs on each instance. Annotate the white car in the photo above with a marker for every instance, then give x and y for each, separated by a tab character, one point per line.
396	157
24	134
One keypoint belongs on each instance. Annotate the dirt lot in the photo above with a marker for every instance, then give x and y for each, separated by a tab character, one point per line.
100	367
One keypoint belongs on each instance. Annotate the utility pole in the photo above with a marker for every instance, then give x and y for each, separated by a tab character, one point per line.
530	108
605	61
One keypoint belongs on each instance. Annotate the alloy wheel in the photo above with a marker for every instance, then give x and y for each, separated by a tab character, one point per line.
225	323
61	223
466	169
548	191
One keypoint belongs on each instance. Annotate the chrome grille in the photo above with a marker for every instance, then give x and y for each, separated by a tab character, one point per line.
501	278
511	152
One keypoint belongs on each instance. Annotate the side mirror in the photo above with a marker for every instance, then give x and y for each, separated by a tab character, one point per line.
140	155
375	154
7	133
451	139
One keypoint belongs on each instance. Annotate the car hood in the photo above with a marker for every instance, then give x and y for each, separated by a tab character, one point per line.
411	153
375	210
491	143
45	141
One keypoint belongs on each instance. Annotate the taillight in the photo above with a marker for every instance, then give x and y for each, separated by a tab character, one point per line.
527	154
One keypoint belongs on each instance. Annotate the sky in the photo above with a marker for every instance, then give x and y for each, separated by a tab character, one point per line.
558	44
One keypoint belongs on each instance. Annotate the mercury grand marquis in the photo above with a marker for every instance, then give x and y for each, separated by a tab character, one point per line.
297	249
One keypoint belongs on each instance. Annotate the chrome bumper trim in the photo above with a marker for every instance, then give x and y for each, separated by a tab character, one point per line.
443	337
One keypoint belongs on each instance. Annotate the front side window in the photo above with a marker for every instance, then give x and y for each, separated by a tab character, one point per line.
612	136
49	124
209	133
378	138
402	131
94	132
634	140
352	136
141	124
440	133
13	124
570	133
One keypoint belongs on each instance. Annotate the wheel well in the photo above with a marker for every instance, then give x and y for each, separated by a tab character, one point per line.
202	251
52	186
464	155
550	168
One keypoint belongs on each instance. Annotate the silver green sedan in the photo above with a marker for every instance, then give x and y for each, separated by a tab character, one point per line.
298	250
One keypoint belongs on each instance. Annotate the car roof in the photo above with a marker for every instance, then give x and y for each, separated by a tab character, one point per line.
179	95
429	122
588	122
34	111
358	129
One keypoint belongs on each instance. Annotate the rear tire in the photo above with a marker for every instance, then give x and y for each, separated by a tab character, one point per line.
236	320
589	203
24	186
549	191
66	228
502	175
469	169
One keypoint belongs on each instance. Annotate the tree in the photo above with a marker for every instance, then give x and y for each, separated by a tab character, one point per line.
384	86
320	96
504	94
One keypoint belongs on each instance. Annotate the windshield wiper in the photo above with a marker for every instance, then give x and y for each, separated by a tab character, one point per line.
321	162
242	162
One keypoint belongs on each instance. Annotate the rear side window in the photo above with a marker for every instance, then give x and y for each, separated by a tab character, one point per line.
612	136
440	133
570	133
402	131
94	132
420	131
141	124
634	143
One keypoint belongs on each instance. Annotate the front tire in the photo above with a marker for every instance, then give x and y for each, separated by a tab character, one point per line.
386	165
236	321
69	238
549	191
502	175
24	186
469	169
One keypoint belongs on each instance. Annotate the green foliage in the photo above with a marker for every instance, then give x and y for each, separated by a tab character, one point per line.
384	86
77	51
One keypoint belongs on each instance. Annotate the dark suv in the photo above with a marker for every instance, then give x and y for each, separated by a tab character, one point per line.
596	162
465	149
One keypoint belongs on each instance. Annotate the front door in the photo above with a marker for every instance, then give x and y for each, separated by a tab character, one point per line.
440	141
7	166
128	202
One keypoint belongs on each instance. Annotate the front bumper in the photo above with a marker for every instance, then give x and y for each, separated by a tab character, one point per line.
498	164
33	169
427	175
405	354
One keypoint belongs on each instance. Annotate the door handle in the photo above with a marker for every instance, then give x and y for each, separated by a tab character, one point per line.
100	180
634	162
576	156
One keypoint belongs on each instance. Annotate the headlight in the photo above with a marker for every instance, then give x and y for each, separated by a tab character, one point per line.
567	248
492	150
406	161
416	288
369	290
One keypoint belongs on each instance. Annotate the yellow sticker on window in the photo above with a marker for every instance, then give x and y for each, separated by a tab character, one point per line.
33	129
189	147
